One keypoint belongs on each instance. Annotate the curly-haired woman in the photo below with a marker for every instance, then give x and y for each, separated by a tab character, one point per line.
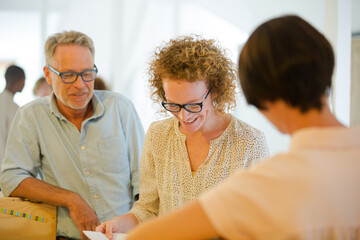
200	146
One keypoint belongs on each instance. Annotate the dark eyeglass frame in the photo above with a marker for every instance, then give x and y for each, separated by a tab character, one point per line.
184	106
60	74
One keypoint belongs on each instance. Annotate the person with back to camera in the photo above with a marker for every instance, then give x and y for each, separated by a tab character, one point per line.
15	81
42	88
202	144
310	192
85	144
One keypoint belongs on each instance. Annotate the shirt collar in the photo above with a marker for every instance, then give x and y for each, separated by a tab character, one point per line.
98	106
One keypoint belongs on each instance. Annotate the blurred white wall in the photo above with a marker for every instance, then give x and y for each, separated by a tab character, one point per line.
126	32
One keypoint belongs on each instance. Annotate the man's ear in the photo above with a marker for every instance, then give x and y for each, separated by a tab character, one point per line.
47	75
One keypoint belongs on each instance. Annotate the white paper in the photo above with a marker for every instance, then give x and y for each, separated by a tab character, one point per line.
100	236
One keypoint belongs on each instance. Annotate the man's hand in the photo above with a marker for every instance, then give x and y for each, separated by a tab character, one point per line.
83	216
120	224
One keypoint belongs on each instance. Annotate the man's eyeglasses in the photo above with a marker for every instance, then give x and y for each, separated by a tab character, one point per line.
190	107
71	77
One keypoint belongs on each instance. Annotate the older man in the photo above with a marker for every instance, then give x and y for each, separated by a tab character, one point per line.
85	144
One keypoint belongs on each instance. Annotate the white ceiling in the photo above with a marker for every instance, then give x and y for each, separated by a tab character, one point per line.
231	10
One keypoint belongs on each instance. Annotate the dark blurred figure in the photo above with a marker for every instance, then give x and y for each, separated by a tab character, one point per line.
15	81
100	84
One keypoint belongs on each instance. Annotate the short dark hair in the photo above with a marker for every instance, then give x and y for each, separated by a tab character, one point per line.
286	59
14	74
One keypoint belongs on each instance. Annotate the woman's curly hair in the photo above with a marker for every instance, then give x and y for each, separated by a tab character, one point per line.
191	58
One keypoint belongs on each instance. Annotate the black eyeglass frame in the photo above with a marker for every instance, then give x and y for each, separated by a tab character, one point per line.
184	106
60	74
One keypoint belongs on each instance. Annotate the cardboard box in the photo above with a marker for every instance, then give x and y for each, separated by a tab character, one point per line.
20	219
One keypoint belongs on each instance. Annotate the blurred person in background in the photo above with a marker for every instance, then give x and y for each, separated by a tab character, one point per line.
42	88
100	84
15	81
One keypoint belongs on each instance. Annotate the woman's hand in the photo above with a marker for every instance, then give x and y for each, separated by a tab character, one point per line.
119	224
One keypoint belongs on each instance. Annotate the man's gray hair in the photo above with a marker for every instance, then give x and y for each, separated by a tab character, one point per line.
67	38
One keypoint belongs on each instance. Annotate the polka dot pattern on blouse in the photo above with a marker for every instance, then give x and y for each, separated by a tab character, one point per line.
166	180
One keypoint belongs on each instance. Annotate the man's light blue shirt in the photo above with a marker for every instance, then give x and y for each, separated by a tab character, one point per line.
100	163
